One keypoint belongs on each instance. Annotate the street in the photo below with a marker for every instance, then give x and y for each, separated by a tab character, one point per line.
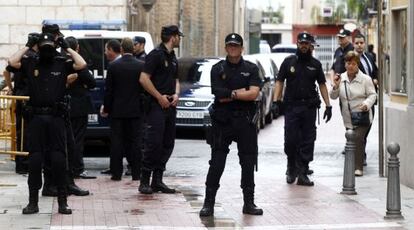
118	205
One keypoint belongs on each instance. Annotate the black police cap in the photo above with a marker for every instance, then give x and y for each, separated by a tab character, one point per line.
343	33
171	30
52	28
305	37
46	39
139	39
234	38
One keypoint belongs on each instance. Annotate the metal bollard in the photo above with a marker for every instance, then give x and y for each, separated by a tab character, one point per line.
348	187
393	183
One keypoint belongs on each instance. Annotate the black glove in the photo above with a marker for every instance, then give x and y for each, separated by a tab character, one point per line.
277	108
328	113
63	43
32	39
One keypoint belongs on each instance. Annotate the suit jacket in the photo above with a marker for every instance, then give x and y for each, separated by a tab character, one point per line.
373	73
81	103
122	88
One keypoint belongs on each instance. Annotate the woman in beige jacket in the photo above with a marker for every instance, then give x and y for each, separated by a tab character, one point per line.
361	95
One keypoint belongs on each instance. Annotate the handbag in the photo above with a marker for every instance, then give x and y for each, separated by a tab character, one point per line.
357	118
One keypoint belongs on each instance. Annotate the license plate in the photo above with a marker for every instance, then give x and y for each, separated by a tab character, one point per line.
190	114
92	118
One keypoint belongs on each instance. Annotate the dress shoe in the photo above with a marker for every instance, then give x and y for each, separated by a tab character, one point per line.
73	189
106	171
85	175
49	191
304	180
116	178
358	172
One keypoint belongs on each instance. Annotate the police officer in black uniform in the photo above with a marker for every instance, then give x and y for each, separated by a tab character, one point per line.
20	89
139	48
235	84
345	45
159	79
79	86
46	78
301	100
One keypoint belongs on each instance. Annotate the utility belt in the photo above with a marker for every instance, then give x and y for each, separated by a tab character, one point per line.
240	113
60	109
310	102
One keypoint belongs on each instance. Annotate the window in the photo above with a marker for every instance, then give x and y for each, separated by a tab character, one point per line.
399	81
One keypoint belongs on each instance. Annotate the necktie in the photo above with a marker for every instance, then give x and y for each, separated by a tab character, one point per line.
367	64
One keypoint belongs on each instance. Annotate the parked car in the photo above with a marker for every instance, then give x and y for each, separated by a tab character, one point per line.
92	49
270	71
284	48
196	98
266	92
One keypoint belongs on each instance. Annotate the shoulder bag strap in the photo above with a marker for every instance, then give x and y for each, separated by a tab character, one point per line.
347	98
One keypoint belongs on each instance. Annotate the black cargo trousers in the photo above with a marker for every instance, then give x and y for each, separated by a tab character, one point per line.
300	136
240	129
47	142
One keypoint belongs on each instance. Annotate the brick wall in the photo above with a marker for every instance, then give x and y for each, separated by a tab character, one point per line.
20	17
197	23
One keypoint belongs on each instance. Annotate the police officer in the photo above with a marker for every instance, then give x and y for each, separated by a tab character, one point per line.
139	48
235	84
345	45
79	86
301	100
20	89
46	78
159	79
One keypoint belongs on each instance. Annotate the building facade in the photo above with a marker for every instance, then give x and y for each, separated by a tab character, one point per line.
205	23
399	83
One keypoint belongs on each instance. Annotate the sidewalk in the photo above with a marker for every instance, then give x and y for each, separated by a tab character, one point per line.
118	205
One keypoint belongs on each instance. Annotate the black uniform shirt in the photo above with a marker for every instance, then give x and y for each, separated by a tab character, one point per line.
20	83
162	66
46	83
141	56
300	78
339	58
226	76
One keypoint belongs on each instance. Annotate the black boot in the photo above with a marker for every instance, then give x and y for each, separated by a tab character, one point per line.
62	203
144	186
291	174
157	185
32	207
249	207
304	180
208	206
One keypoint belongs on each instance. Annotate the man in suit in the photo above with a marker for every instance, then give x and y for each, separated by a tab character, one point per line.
122	104
368	67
